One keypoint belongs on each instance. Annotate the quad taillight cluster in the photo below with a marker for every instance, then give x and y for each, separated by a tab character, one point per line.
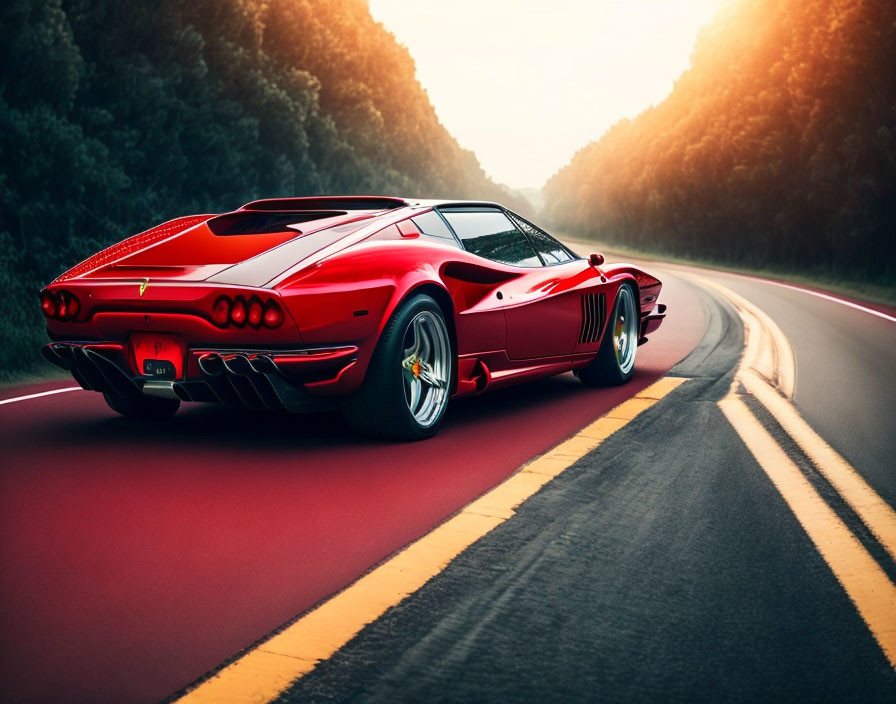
61	305
252	312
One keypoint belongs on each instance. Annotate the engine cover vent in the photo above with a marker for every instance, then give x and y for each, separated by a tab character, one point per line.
594	314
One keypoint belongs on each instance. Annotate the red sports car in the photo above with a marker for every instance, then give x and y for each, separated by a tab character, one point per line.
383	307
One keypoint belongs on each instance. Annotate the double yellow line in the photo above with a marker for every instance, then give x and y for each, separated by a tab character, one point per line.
767	374
265	671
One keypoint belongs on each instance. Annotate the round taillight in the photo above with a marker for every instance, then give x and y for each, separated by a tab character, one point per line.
67	305
273	314
238	312
74	306
48	304
221	311
256	311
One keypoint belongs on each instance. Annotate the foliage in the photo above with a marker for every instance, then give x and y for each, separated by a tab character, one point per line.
115	116
776	149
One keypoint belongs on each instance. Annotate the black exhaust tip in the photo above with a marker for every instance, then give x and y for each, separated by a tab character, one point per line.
238	364
264	365
211	364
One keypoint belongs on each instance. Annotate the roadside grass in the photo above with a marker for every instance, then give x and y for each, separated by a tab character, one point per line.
871	292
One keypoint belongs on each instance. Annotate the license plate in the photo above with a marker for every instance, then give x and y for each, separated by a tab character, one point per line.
159	368
158	356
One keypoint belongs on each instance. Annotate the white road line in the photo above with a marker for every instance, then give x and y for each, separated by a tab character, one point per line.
42	393
827	297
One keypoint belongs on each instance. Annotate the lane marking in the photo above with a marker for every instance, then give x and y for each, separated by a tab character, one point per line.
863	579
827	297
874	512
755	375
690	270
268	669
768	350
42	393
865	582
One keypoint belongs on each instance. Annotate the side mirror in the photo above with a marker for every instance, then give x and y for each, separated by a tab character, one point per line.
596	260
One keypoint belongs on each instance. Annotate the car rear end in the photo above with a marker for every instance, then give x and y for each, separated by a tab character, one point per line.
181	313
192	342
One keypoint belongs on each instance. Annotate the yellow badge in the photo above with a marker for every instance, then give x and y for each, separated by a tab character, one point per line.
143	286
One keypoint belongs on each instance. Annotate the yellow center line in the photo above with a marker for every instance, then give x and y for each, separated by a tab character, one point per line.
767	350
264	672
863	579
874	512
767	372
767	363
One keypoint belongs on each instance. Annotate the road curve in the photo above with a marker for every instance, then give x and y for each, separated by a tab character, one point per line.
138	557
845	370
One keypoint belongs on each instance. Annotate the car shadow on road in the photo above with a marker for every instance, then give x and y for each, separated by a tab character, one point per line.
209	425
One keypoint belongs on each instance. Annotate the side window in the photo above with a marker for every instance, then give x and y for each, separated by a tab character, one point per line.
490	234
551	251
432	227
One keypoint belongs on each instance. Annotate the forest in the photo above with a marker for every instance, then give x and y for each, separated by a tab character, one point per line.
115	116
776	150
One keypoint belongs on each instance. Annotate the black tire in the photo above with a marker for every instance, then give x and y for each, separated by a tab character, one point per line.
605	369
380	408
144	407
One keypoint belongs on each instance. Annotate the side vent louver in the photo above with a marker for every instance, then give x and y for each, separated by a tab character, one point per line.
594	313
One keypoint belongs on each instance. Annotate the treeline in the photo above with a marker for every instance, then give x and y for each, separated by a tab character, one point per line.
777	149
116	115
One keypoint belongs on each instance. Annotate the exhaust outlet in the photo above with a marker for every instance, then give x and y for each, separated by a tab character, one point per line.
237	364
263	364
211	364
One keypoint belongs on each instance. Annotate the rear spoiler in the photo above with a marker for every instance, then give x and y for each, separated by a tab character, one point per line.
327	203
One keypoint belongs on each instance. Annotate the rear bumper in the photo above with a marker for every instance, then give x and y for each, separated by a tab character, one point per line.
257	379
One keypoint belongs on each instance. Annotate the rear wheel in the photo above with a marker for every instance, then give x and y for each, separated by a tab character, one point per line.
408	383
144	407
615	360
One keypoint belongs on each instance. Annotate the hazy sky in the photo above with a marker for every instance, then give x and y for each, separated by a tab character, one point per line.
526	84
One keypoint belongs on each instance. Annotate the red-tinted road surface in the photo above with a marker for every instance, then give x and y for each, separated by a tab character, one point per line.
136	557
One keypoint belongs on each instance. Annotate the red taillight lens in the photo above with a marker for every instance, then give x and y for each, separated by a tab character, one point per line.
256	311
67	306
273	314
221	311
238	312
48	304
74	306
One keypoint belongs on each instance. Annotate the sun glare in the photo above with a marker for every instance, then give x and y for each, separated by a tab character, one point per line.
526	84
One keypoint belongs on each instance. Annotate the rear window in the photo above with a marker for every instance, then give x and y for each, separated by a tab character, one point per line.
433	227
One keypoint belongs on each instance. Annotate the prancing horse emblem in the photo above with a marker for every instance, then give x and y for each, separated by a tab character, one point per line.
143	286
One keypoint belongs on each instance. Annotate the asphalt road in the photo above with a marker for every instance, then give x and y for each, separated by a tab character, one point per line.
138	557
845	372
664	565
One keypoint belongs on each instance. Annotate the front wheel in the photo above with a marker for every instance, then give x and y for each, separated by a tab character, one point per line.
615	360
408	383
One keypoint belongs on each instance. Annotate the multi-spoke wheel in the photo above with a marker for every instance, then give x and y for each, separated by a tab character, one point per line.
408	382
615	360
426	367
